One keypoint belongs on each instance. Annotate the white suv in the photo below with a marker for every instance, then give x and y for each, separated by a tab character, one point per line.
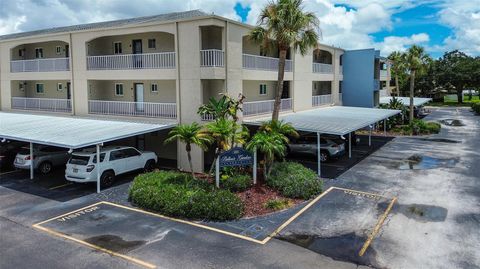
115	160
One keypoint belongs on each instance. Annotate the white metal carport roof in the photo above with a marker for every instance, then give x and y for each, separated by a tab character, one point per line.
417	101
335	120
70	132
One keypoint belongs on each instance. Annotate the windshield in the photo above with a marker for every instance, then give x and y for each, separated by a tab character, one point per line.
80	160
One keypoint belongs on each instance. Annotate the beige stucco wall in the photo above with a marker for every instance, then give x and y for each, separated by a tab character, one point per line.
50	89
251	90
104	45
211	37
321	87
212	88
105	90
49	50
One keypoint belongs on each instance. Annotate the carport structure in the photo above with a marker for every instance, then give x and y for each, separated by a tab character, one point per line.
71	132
334	120
417	101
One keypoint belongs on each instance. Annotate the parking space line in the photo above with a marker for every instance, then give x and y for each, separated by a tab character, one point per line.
380	222
10	172
66	214
113	253
61	186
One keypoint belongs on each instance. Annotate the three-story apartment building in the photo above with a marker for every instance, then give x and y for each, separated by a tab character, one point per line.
158	68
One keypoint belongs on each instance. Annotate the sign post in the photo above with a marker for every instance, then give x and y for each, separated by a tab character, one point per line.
255	167
235	157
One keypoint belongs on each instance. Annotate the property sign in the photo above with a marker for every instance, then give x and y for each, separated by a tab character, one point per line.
235	157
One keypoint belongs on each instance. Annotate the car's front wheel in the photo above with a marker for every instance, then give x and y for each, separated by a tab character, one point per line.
45	168
324	157
149	166
107	179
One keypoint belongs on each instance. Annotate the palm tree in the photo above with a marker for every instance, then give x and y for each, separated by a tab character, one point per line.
415	60
397	68
224	107
189	134
283	24
271	144
280	127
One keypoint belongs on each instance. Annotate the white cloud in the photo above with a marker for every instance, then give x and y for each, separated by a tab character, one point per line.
350	28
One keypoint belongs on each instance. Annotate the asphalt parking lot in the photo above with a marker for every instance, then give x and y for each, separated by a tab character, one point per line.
433	224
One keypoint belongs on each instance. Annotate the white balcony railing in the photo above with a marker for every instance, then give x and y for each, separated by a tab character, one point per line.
263	107
212	58
322	68
318	100
208	117
40	65
42	104
383	93
133	109
161	60
341	69
383	74
264	63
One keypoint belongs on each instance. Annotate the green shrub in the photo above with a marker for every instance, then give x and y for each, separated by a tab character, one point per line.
278	204
294	180
179	195
433	127
476	107
236	183
418	127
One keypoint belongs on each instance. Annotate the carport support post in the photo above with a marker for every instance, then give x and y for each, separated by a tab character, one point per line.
319	168
385	127
255	167
349	145
217	173
98	168
31	160
370	136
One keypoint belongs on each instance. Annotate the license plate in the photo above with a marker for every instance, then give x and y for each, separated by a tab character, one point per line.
75	170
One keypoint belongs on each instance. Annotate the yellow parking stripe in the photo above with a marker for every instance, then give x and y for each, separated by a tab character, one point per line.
61	186
377	227
113	253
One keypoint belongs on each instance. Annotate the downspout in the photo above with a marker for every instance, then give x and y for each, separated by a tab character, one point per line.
177	66
226	56
72	85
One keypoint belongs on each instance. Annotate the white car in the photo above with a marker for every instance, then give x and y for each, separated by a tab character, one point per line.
115	160
44	158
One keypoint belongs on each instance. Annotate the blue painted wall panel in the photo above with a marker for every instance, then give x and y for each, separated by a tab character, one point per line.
358	77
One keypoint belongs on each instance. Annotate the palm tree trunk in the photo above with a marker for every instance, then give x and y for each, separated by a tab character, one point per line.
188	148
279	90
460	95
412	86
397	87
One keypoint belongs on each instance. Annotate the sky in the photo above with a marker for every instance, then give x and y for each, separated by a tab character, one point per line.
387	25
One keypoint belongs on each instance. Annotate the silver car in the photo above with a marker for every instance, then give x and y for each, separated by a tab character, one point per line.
307	144
44	158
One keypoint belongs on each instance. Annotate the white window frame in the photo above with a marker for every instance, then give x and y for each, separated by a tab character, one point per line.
116	89
154	85
262	85
36	88
58	50
59	87
120	47
39	49
154	43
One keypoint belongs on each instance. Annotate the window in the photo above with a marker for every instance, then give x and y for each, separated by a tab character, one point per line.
102	157
21	52
152	44
38	53
118	89
341	59
59	87
117	47
21	86
39	87
340	86
154	87
116	155
131	152
263	89
58	50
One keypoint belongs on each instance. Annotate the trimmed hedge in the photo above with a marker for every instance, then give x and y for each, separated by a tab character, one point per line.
476	107
179	195
236	183
294	180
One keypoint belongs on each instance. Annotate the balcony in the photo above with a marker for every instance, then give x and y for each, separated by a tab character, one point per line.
40	65
383	74
319	100
322	68
264	107
42	104
212	58
263	63
162	60
133	109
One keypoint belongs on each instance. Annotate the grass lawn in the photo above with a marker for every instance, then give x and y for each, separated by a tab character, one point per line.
448	101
